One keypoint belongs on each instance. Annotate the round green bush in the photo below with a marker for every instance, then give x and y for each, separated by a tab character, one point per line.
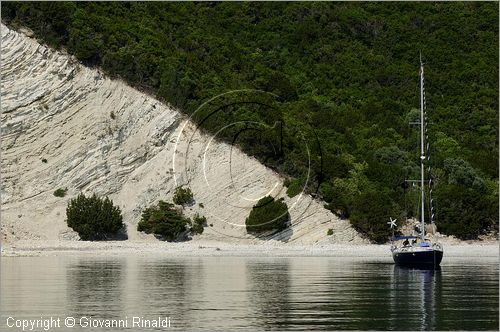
294	188
164	221
183	196
267	215
94	218
60	192
199	223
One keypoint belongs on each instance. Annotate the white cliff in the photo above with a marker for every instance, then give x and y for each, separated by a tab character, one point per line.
99	135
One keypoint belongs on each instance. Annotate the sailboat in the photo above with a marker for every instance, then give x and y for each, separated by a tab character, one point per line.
418	250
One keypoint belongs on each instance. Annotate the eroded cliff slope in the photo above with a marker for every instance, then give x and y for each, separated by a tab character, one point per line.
67	126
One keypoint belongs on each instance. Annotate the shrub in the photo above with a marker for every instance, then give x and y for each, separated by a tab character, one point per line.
112	115
268	214
44	160
199	222
465	212
183	196
371	210
201	205
60	192
94	218
365	117
164	221
461	173
329	232
294	188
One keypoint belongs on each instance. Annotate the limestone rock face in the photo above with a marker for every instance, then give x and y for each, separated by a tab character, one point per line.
67	126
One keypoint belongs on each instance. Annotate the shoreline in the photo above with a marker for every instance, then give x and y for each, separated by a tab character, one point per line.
200	248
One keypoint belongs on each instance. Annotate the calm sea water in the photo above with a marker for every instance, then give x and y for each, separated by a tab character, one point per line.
303	293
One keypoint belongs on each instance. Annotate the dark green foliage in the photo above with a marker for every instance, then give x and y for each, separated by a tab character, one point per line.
163	220
345	74
94	218
294	188
44	160
268	215
60	192
183	196
199	222
464	212
371	210
329	232
201	205
461	173
341	192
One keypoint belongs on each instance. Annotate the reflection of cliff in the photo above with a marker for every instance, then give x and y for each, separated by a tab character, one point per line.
34	285
67	126
228	293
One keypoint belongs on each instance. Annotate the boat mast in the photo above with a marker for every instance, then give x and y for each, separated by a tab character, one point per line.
422	151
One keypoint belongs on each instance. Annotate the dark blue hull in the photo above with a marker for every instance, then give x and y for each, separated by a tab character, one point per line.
428	258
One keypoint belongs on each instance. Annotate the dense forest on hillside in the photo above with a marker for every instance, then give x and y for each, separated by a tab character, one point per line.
345	76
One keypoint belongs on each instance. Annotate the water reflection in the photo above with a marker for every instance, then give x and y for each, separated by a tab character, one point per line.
269	292
163	287
415	291
94	285
469	297
304	293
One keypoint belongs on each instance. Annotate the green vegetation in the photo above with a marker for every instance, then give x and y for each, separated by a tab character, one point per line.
347	79
165	221
268	215
369	216
183	196
329	232
468	203
60	192
44	160
199	222
94	218
293	188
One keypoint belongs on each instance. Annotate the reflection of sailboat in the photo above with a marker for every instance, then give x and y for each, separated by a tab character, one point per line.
421	251
419	285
